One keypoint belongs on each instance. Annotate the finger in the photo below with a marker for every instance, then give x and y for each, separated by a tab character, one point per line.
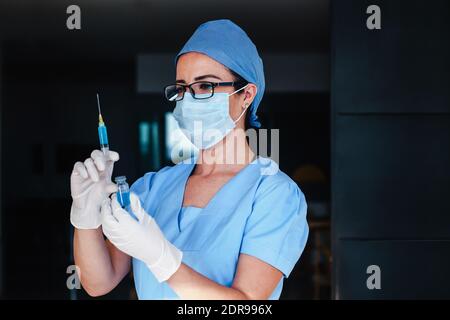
113	156
111	188
108	220
90	167
80	169
136	206
106	207
115	206
99	159
119	213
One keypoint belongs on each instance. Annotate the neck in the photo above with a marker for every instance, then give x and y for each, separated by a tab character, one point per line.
229	155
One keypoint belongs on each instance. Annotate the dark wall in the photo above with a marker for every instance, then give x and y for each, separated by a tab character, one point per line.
391	149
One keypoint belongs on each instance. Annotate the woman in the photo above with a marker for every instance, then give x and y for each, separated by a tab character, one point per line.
202	229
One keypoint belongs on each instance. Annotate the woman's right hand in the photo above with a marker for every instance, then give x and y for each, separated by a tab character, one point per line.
90	184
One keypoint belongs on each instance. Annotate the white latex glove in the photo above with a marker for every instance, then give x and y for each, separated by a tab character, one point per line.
140	239
90	185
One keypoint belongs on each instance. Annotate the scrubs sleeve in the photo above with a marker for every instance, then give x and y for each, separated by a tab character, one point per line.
141	187
276	231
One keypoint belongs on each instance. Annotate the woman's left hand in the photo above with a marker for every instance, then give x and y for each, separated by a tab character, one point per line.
141	239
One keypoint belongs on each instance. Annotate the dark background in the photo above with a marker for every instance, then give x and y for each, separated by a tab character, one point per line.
363	118
391	150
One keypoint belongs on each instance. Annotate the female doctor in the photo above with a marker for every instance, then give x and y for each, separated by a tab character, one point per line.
204	228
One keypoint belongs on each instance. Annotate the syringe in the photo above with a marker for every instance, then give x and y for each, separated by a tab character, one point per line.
102	134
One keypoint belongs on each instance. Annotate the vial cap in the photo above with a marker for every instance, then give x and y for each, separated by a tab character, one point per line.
120	179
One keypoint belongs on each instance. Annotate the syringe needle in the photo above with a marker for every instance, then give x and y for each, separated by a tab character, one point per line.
98	104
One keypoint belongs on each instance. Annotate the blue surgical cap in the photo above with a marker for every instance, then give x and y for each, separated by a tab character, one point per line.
227	43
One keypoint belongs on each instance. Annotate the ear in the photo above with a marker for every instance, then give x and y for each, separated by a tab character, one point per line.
249	94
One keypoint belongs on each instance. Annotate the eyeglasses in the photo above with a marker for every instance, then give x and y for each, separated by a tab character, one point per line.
199	90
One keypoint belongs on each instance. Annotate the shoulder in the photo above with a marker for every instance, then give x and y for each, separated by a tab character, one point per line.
277	196
274	180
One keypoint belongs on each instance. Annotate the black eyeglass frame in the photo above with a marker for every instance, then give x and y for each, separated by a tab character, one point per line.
213	85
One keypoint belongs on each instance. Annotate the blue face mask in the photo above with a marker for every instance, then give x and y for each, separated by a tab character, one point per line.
205	122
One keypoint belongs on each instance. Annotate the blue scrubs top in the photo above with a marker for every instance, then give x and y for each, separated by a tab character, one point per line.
259	212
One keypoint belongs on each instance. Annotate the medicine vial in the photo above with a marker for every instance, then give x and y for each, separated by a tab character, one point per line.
123	192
